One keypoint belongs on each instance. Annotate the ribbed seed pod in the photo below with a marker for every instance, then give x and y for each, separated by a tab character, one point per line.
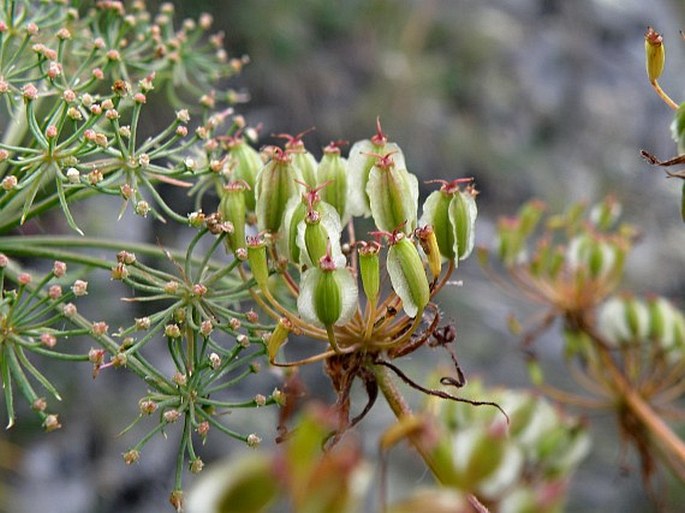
302	159
233	209
361	159
245	162
655	54
429	244
369	269
333	171
452	213
328	294
278	337
407	275
256	257
393	196
276	183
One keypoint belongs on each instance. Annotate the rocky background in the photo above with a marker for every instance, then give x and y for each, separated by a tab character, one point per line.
534	98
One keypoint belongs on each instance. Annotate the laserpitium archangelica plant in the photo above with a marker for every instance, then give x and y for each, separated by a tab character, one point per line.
274	251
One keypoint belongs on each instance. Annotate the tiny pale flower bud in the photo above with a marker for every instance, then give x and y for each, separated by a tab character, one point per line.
51	132
9	182
183	115
99	328
24	278
112	114
73	175
131	457
119	360
4	155
51	423
69	310
54	70
54	292
260	400
63	34
142	208
147	406
171	416
29	92
206	327
69	96
234	323
203	429
98	74
31	29
119	272
243	340
199	289
127	191
125	132
80	288
39	404
214	361
48	340
101	140
113	55
171	287
180	379
96	356
95	177
196	466
278	396
253	440
176	500
252	316
4	261
172	331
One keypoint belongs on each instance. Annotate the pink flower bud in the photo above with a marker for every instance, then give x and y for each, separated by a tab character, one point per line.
69	310
54	292
29	92
171	416
51	132
24	278
99	328
9	182
59	268
48	340
63	34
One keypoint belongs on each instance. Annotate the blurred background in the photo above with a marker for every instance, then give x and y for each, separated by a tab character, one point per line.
534	98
